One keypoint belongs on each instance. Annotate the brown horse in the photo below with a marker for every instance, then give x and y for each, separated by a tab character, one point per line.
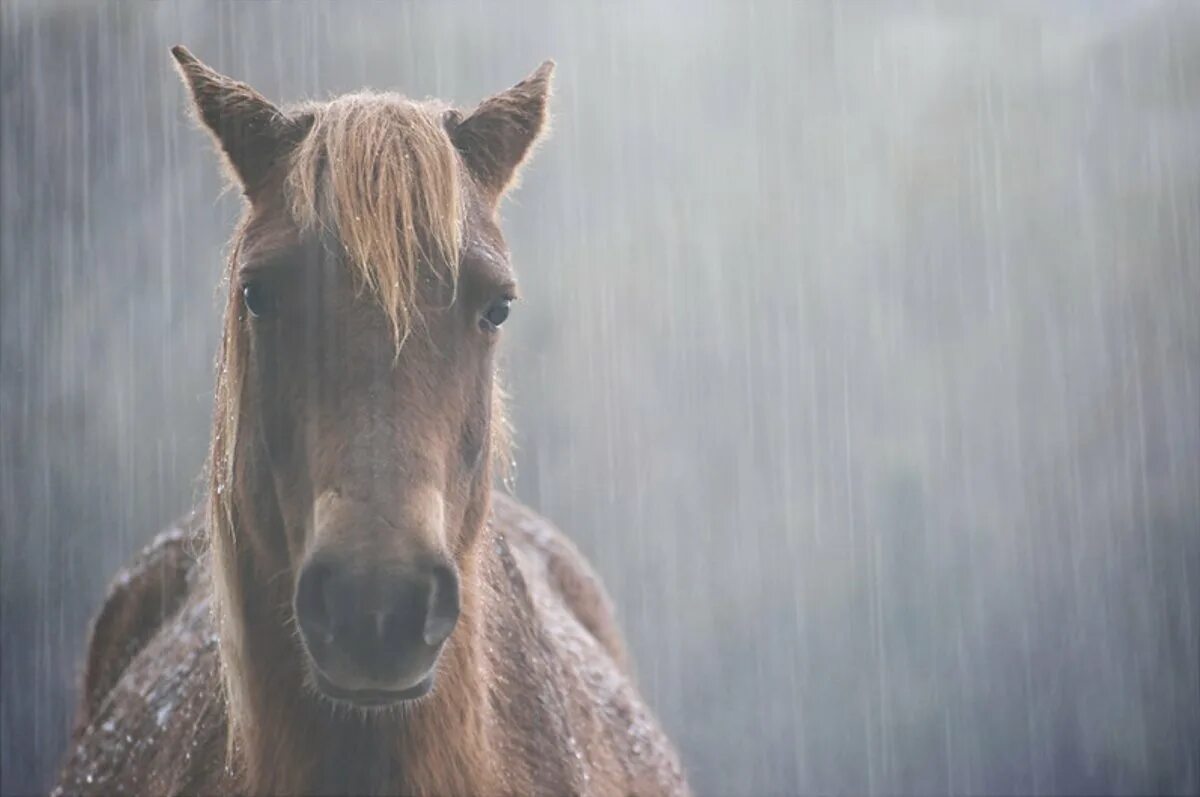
367	616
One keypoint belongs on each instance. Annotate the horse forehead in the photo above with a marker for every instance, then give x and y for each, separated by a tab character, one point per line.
268	240
271	232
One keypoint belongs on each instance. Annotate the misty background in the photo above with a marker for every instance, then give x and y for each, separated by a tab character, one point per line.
859	351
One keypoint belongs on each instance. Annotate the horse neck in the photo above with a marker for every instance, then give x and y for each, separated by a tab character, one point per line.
287	740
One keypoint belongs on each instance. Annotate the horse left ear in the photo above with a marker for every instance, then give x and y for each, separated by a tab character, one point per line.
250	131
498	136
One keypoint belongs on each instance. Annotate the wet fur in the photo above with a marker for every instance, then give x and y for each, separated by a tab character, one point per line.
553	687
195	679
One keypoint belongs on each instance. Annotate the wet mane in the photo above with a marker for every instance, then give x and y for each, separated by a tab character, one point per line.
379	173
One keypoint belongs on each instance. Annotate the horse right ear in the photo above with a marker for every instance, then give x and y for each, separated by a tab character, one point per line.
251	132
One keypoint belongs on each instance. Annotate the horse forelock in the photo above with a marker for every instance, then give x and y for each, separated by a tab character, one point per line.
378	175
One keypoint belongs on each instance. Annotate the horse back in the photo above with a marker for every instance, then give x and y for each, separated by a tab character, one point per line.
150	716
143	596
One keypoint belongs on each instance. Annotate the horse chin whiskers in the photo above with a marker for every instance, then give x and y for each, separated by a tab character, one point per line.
400	710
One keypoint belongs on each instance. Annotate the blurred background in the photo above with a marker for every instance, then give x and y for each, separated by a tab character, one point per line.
859	351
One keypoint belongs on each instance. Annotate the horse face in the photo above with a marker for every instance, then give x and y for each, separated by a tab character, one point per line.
377	454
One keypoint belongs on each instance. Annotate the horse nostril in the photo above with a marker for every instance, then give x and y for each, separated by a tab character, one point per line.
442	610
312	604
375	623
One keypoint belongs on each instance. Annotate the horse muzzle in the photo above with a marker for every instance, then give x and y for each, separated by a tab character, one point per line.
373	632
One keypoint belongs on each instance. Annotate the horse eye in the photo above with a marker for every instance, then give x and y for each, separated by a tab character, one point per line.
497	313
257	298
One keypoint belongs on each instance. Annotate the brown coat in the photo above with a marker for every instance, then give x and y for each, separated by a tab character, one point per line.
152	720
357	416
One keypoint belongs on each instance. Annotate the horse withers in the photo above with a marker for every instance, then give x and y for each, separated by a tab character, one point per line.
354	610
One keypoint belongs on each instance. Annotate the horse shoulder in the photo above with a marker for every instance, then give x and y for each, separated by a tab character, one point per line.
142	597
588	712
567	572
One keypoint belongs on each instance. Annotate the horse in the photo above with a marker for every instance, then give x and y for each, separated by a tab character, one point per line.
354	608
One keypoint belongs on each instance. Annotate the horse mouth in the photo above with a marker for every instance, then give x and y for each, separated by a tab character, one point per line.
373	698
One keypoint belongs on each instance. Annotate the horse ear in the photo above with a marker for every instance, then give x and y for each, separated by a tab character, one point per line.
250	131
498	135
